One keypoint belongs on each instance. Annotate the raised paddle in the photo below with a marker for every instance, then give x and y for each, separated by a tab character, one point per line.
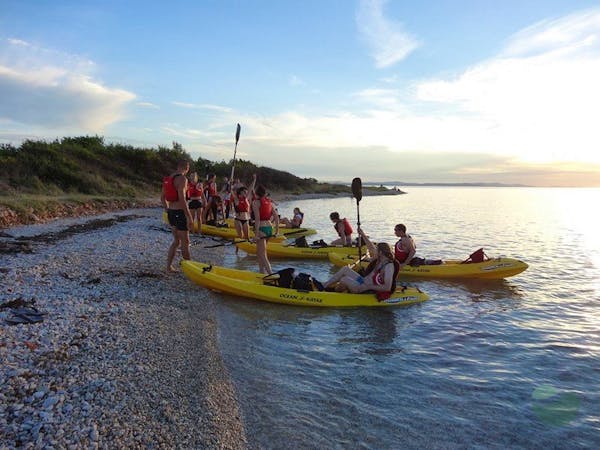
357	194
237	138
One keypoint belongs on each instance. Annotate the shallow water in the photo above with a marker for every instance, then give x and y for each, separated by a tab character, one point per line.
508	363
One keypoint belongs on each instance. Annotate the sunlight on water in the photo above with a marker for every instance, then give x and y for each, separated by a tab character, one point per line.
500	363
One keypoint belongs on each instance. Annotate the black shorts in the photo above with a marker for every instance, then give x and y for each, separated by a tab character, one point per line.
195	204
242	221
177	219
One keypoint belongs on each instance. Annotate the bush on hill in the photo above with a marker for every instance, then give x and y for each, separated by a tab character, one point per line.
88	165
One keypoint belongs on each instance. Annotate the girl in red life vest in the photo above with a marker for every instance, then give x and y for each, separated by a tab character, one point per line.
195	195
265	215
241	206
379	276
343	229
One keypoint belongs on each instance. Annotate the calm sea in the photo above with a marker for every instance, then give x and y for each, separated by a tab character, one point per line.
512	363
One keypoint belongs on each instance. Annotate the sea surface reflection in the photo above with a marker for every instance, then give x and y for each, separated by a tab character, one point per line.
505	363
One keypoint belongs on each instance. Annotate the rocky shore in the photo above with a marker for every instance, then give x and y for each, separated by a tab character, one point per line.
120	355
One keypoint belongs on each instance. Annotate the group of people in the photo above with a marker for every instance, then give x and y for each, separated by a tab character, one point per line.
187	202
184	199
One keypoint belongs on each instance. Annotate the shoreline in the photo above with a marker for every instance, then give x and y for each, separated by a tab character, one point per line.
125	356
62	208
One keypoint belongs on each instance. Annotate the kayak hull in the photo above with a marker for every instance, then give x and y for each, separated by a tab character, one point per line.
281	250
229	231
248	284
492	269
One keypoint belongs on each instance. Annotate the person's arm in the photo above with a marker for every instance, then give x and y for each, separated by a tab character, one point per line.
256	211
252	184
412	251
275	217
370	246
339	227
163	200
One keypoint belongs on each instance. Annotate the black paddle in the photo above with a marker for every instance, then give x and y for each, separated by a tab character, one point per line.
357	194
237	138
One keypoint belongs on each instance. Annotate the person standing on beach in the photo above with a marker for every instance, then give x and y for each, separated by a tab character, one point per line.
241	206
195	195
174	202
265	215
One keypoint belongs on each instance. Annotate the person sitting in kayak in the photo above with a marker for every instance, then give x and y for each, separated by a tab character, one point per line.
294	222
379	276
342	228
405	249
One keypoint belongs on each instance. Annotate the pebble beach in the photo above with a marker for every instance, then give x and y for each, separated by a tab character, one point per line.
122	355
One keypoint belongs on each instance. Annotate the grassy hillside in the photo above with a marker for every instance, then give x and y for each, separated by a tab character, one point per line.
87	165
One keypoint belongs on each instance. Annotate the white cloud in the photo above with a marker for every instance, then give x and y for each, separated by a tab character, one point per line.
50	89
148	105
539	98
217	108
388	41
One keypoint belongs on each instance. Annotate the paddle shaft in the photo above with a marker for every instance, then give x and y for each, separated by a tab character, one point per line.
237	138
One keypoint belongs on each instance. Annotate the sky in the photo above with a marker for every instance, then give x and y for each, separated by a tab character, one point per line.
445	91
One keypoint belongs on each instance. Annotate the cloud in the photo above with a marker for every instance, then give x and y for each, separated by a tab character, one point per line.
217	108
539	97
148	105
387	40
50	89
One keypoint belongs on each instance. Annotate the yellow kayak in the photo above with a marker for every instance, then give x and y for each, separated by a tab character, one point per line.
228	232
282	250
247	284
494	268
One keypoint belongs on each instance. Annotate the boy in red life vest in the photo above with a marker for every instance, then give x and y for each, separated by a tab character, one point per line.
405	249
343	229
173	199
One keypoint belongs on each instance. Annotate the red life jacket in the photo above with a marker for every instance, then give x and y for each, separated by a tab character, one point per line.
243	204
171	194
399	252
193	190
347	228
212	189
266	209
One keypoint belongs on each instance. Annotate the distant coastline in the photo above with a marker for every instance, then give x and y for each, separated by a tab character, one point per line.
479	184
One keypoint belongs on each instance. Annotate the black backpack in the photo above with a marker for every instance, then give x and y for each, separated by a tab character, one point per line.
301	242
282	278
303	282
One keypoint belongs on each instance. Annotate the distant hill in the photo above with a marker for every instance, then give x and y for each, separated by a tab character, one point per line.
87	165
481	184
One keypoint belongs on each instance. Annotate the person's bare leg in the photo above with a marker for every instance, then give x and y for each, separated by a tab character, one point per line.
343	272
172	249
184	239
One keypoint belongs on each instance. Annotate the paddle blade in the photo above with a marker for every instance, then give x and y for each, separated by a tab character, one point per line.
237	133
357	189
